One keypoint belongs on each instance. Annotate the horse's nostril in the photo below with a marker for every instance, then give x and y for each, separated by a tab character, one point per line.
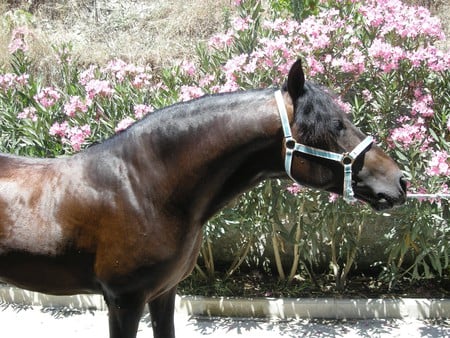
403	183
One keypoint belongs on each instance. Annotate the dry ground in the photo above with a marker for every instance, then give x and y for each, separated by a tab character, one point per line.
142	31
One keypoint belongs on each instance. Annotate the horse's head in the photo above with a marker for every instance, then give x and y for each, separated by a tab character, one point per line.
351	163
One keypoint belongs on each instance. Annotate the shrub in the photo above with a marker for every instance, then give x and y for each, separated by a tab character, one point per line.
381	58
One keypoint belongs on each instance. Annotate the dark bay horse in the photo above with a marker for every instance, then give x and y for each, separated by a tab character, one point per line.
124	218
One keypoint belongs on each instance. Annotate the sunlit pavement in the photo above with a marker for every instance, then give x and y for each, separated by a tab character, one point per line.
26	321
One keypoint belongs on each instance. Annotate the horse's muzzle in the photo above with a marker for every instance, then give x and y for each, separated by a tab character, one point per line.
391	197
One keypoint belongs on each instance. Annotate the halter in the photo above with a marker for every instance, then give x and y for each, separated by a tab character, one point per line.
346	159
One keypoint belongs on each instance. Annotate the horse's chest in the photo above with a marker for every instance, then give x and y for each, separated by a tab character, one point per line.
157	258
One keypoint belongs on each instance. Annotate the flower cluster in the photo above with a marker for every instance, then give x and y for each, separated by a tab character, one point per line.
393	17
11	81
141	110
77	105
74	136
98	88
120	70
28	113
439	164
409	135
47	97
18	40
124	124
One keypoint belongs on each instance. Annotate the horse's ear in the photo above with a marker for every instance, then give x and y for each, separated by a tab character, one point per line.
296	81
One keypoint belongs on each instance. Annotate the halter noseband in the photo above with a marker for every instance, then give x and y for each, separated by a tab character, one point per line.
346	159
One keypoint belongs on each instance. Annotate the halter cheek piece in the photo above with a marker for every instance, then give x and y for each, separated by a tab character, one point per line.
346	159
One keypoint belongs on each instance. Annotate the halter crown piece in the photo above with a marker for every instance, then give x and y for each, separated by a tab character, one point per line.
346	159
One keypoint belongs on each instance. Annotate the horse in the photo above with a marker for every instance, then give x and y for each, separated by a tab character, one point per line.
123	218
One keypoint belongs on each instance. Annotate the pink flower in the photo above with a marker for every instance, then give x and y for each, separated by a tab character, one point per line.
393	16
76	105
141	109
408	135
98	88
315	67
141	79
23	79
423	106
124	124
117	68
122	70
59	129
283	26
352	61
367	95
439	164
10	81
294	189
332	197
18	40
385	56
229	86
241	24
190	92
345	106
206	80
76	136
7	81
88	75
28	113
47	97
220	41
188	67
234	65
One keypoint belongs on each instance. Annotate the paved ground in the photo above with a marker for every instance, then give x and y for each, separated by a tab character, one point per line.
26	321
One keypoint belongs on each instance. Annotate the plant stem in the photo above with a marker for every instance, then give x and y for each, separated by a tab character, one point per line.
276	251
298	234
239	258
201	272
352	255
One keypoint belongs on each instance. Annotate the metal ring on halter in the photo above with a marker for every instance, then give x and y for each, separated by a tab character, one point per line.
347	159
290	143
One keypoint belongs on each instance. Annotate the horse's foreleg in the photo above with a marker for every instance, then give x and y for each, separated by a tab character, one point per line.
124	315
162	314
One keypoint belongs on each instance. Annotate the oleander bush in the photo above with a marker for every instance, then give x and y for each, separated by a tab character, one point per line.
379	57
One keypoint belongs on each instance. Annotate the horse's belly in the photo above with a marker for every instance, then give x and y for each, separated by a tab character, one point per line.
58	275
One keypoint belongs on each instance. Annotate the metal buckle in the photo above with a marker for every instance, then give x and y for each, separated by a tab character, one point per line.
347	159
290	143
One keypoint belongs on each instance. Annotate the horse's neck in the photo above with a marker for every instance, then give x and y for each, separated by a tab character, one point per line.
215	148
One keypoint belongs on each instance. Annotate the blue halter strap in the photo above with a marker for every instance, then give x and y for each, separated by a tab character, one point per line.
346	159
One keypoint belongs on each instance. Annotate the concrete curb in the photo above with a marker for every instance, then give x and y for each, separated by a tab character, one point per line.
286	308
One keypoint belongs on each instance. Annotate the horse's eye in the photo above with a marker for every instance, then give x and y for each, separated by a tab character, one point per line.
339	125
